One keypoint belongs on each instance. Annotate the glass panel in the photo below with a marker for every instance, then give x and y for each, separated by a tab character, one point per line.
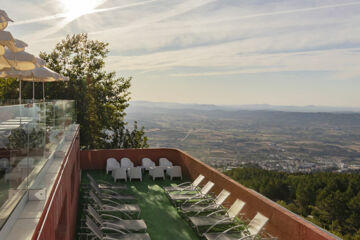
29	135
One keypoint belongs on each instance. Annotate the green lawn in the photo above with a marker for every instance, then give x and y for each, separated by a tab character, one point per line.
160	215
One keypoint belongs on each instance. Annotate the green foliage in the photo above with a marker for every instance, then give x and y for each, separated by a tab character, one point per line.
330	200
120	137
19	139
101	97
9	89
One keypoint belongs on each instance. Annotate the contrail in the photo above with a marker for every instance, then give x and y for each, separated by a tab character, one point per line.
41	19
64	15
182	8
299	10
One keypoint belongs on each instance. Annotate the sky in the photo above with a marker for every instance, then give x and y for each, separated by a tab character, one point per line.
279	52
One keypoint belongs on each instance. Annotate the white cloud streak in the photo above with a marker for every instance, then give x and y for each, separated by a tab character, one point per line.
64	15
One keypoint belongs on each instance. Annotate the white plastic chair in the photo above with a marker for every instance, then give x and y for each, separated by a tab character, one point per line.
164	162
157	172
111	164
147	163
126	163
135	173
119	173
174	171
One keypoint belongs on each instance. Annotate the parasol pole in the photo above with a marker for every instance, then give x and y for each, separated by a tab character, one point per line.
33	98
20	91
43	86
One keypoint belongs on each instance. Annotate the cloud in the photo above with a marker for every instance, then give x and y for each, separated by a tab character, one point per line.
178	40
64	15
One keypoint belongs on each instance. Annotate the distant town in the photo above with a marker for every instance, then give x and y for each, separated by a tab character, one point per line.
273	140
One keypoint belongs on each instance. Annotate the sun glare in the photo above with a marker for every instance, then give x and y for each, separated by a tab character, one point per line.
76	8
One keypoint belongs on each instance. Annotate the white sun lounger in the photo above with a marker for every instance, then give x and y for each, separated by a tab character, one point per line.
186	186
253	229
213	219
108	205
205	205
99	234
189	196
105	185
109	220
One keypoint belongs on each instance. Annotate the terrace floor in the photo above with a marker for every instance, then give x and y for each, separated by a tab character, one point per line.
161	217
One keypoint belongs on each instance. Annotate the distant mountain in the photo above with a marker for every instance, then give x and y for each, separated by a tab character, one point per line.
144	105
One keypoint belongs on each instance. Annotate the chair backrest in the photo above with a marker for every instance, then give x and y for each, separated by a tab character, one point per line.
112	163
135	172
206	189
147	162
236	208
257	224
220	199
95	198
94	228
197	181
94	214
175	170
125	162
164	162
157	170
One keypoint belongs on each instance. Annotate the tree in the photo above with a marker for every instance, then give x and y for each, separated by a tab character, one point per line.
101	97
8	89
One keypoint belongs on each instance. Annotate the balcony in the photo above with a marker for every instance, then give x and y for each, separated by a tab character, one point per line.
282	223
32	138
46	200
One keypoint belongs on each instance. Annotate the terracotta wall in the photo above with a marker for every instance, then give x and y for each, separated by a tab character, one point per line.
282	223
58	220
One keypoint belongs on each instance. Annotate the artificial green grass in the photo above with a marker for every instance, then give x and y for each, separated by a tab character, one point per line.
161	217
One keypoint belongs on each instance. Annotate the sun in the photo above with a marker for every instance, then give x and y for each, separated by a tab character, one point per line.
76	8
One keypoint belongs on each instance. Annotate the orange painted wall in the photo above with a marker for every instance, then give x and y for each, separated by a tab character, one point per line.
282	223
58	220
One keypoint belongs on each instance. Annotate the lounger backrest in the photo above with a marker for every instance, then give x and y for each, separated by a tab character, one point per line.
206	189
147	162
95	187
197	181
94	214
95	198
90	178
257	224
125	162
220	199
235	208
93	228
164	162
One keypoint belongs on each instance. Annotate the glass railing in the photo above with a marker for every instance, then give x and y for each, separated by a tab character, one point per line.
29	135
